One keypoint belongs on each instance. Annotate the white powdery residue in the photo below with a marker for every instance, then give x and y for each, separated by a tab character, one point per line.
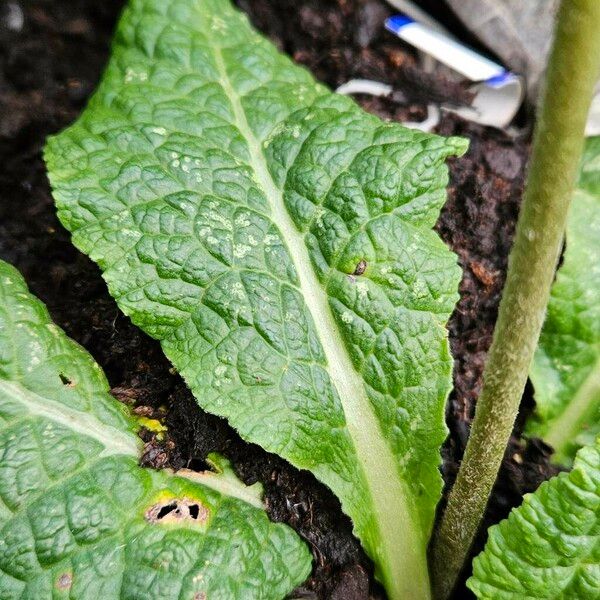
241	250
35	358
242	221
347	317
420	288
132	75
159	130
414	424
218	24
185	168
271	240
220	370
226	223
237	290
212	240
363	289
174	155
279	128
296	131
319	217
131	233
175	163
252	240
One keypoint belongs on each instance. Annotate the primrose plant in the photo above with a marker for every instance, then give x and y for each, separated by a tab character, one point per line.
80	519
278	241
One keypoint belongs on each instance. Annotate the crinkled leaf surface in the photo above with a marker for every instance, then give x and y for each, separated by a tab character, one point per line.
549	547
80	519
566	367
278	241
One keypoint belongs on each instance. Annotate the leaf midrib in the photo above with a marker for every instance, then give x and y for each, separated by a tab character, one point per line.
394	509
114	440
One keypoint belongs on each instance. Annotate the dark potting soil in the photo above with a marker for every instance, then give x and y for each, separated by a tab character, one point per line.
52	53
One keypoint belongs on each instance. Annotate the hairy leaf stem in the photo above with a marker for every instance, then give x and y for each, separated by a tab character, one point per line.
558	142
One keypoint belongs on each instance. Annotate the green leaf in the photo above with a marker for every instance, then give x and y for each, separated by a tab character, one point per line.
80	519
566	366
549	547
278	241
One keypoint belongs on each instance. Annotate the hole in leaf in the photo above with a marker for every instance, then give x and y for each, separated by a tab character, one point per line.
65	380
165	510
174	511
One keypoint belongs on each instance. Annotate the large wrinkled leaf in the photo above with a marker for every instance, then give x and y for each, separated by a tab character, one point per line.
566	367
549	547
278	241
80	519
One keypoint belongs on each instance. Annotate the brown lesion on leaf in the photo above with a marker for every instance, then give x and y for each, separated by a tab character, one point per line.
177	510
64	582
361	267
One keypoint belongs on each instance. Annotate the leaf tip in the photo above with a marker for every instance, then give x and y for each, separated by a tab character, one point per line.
459	145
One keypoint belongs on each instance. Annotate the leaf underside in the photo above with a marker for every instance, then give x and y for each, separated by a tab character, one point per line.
278	241
566	367
80	519
549	547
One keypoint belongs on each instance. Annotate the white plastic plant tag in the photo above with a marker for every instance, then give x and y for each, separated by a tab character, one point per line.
498	92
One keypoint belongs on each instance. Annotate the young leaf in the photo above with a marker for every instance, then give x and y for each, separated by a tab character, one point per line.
549	547
566	367
278	241
80	519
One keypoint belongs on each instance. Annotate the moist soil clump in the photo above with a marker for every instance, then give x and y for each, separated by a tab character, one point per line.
52	53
